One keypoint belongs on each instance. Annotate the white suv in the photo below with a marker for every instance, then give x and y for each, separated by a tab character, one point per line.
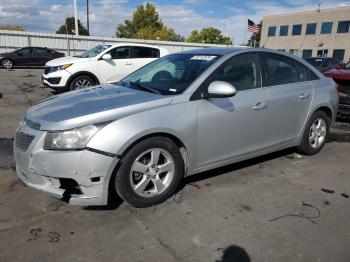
102	64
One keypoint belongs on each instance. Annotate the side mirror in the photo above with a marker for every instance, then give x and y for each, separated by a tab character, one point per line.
221	89
107	57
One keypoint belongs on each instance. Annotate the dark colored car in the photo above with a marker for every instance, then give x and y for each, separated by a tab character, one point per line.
342	78
28	56
324	64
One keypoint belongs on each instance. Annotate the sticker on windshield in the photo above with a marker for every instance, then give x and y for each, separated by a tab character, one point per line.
203	57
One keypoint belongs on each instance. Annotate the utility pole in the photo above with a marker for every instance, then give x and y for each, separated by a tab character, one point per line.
76	17
87	16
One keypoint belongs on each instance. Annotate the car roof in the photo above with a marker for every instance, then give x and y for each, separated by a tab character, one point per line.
131	44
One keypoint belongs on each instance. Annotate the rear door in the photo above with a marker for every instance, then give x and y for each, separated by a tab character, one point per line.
290	96
40	56
143	55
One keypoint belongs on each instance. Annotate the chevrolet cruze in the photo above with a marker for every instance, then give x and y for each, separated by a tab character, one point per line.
180	115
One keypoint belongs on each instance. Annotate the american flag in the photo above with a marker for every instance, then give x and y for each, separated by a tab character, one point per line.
252	27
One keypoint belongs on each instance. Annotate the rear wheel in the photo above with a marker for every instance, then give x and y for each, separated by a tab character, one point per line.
150	172
315	134
81	82
7	63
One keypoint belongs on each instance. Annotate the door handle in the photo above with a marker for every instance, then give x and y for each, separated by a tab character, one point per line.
304	95
260	106
128	63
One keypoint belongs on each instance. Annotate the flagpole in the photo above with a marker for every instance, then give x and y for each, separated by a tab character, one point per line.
245	31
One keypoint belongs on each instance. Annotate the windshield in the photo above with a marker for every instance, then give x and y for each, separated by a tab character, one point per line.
315	61
171	74
94	51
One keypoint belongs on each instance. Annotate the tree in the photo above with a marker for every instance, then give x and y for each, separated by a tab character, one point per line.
209	35
70	22
255	38
146	24
12	27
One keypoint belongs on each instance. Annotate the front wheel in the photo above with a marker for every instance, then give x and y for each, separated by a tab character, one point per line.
315	134
81	82
150	172
7	63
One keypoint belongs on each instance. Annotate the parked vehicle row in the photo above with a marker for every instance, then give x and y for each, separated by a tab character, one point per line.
28	56
324	64
102	64
177	116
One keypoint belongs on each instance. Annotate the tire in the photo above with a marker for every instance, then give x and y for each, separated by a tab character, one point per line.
7	63
81	82
149	186
315	134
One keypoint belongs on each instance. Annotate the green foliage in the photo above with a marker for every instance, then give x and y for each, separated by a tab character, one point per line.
255	38
209	35
12	27
146	24
70	22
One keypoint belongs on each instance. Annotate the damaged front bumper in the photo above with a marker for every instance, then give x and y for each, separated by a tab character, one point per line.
77	177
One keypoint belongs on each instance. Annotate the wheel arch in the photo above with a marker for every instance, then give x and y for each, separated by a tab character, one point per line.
326	109
81	73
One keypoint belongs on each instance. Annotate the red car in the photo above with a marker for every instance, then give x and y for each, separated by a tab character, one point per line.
342	78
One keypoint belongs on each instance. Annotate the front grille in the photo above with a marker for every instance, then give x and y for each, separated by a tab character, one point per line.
23	141
47	70
31	124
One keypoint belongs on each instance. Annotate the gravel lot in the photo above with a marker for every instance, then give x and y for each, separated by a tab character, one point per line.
258	210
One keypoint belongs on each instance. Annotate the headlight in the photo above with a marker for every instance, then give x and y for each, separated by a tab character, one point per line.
70	139
59	68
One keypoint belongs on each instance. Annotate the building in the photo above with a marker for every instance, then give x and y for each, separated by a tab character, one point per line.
319	32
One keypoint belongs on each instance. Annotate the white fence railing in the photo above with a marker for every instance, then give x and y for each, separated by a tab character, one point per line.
69	44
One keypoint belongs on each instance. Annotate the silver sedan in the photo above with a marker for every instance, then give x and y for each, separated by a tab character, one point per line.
177	116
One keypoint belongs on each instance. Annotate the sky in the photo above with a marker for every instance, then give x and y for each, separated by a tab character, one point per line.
230	16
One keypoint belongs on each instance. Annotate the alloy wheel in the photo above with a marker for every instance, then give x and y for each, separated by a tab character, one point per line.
82	83
152	172
7	64
318	132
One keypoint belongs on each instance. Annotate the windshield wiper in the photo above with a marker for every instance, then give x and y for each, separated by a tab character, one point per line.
149	89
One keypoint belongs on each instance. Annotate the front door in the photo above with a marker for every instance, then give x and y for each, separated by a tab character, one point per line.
231	127
23	57
290	97
120	66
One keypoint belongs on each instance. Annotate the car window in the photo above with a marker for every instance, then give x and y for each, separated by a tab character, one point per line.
145	52
120	52
242	71
39	50
24	51
284	70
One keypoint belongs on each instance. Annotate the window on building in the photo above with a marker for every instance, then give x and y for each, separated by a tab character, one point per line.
283	30
271	31
326	27
296	29
339	54
307	53
311	29
293	51
343	26
322	53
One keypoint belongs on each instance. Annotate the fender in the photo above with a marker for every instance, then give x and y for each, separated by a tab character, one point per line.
97	81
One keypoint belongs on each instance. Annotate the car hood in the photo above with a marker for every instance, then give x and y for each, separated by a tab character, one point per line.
92	105
5	54
67	60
